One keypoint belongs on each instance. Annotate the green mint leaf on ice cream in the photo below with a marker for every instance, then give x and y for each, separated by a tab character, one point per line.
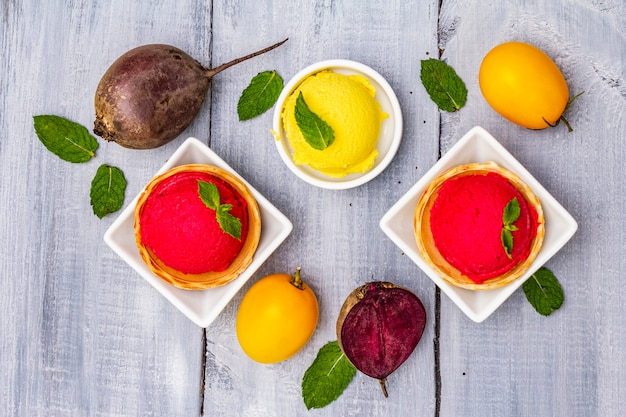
511	212
327	377
66	139
229	223
107	190
260	95
210	196
443	85
316	131
509	216
507	241
543	291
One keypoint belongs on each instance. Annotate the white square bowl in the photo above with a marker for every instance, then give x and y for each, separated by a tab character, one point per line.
201	306
477	146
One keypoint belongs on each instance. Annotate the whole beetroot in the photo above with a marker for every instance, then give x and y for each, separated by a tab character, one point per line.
150	94
379	326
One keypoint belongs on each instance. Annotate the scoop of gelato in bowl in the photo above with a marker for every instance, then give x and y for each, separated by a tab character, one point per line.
337	124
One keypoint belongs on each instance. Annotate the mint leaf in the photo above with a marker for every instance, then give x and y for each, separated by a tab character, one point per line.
107	190
66	139
327	377
316	131
510	215
443	85
210	196
511	212
229	223
543	291
507	241
260	95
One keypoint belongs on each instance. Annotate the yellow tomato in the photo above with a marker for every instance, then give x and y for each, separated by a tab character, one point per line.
524	85
276	318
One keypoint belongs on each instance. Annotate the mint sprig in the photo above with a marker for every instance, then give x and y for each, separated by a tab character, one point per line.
316	131
66	139
210	196
543	291
509	216
260	95
443	85
107	190
327	377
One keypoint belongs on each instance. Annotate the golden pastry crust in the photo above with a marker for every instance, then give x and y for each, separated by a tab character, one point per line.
435	260
208	279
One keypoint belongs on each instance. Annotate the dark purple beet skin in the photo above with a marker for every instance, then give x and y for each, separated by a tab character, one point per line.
379	326
152	93
149	96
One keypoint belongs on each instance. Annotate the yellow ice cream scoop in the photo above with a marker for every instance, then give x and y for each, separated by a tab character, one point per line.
347	104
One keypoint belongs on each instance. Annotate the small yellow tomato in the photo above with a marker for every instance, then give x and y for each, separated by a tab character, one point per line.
524	85
276	318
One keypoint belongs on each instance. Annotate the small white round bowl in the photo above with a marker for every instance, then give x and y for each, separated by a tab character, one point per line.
390	132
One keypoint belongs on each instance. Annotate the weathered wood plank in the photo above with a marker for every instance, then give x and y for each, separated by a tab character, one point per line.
518	363
83	334
336	237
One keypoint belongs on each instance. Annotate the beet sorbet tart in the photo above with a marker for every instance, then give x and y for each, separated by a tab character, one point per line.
197	226
479	226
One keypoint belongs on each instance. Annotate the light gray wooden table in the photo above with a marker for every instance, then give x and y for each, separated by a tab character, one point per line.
82	334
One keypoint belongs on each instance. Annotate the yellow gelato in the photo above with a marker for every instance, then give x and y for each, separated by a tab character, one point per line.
346	103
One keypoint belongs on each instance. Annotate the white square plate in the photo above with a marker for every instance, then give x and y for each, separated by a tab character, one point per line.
203	306
478	146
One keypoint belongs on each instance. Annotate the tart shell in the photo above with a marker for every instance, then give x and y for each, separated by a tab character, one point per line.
426	244
208	279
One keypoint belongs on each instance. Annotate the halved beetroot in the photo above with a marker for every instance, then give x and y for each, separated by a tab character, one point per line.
379	326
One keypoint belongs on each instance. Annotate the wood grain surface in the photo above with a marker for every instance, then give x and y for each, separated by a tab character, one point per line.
84	335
